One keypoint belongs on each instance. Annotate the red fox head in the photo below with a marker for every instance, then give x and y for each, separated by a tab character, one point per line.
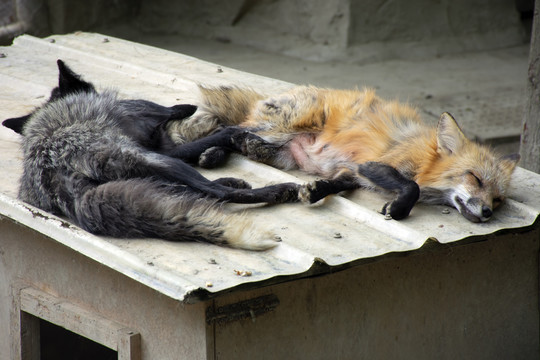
471	177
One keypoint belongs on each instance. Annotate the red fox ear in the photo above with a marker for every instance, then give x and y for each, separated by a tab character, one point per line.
450	138
509	162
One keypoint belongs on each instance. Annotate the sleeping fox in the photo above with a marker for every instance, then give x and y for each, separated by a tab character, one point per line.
109	165
357	139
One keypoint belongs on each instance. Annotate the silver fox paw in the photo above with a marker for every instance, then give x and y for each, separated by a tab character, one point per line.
212	157
234	183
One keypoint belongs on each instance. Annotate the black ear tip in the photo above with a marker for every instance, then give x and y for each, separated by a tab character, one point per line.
190	109
61	64
16	124
182	111
65	70
7	123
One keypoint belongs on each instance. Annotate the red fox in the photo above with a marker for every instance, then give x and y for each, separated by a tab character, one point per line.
356	139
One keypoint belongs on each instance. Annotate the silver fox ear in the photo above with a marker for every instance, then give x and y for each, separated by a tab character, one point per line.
450	138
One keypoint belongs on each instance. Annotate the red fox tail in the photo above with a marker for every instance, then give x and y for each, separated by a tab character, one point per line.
221	106
230	105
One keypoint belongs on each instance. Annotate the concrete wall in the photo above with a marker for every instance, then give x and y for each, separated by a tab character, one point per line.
45	17
358	30
476	301
467	301
355	30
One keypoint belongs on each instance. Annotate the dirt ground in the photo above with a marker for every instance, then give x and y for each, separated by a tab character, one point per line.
483	90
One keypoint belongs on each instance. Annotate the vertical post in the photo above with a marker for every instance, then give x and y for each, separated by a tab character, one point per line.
129	345
530	135
30	337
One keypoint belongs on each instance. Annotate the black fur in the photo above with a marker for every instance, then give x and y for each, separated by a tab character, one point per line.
109	166
377	174
388	178
320	189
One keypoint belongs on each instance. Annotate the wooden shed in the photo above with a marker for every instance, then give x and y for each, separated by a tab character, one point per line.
344	283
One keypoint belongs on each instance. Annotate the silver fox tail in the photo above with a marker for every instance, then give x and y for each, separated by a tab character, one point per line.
146	208
221	106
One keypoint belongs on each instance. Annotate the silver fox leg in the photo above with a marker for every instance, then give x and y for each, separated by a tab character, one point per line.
245	142
110	164
210	151
146	208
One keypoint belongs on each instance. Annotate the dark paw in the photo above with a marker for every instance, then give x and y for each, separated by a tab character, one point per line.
319	189
238	138
386	211
253	146
391	211
401	207
233	183
259	150
314	191
213	157
284	193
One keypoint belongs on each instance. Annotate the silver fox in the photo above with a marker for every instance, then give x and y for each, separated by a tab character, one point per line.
109	166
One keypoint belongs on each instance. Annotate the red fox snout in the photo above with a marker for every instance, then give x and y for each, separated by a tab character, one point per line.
472	208
475	203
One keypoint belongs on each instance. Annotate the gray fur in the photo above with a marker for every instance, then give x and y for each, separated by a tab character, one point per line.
75	162
109	166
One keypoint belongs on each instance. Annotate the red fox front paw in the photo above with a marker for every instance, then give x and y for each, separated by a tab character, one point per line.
315	191
305	193
319	189
398	209
386	211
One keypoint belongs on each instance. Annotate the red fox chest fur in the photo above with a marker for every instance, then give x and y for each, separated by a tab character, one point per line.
384	144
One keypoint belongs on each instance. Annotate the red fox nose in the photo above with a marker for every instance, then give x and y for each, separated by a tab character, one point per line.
486	211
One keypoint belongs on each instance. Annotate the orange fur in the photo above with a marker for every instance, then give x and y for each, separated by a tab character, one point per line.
324	131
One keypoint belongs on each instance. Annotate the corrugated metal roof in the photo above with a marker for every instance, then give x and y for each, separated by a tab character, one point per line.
340	232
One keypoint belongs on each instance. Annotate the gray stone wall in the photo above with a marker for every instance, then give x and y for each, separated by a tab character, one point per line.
359	30
355	30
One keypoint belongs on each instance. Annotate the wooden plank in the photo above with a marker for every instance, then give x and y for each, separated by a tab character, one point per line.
530	136
81	321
